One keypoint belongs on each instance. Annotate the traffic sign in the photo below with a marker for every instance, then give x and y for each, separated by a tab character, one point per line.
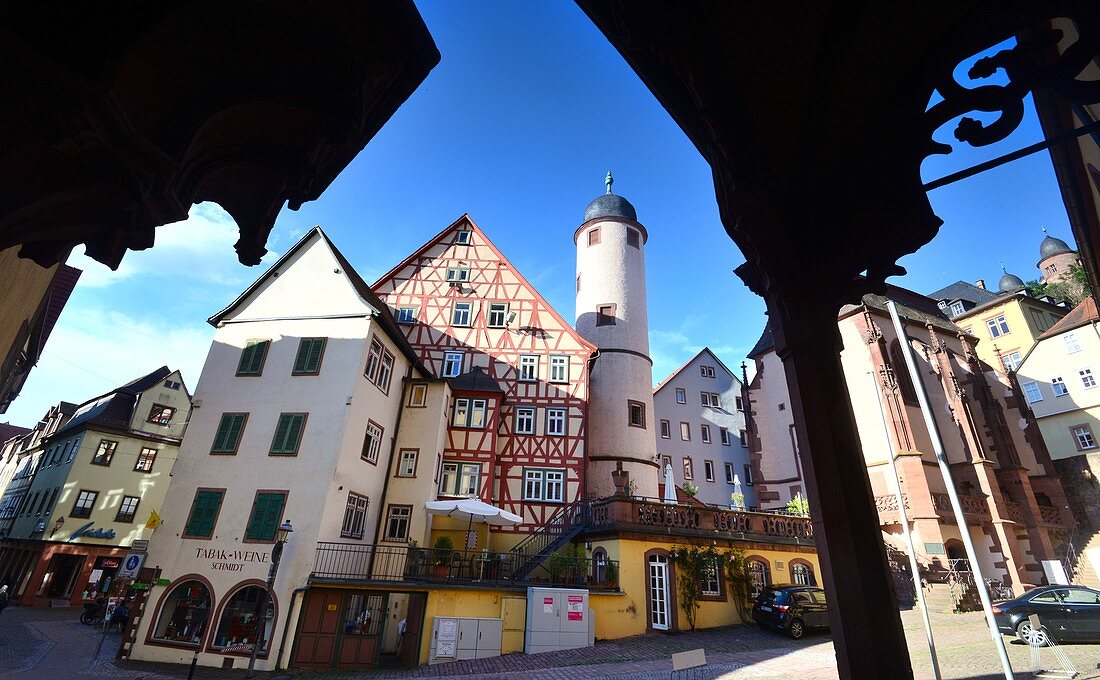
131	565
140	546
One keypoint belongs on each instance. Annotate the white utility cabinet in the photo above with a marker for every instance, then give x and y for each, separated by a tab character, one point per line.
557	618
459	638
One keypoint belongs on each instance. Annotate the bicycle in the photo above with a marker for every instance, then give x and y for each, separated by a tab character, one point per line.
998	590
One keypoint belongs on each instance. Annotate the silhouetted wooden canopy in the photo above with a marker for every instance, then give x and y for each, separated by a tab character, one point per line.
814	116
118	116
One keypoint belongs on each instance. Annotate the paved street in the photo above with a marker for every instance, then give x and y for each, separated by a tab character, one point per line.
51	643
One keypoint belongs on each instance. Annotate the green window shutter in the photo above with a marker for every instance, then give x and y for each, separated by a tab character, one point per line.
287	433
309	355
203	513
266	516
229	433
252	357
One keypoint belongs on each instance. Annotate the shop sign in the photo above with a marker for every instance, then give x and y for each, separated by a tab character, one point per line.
231	560
87	531
163	582
140	586
671	516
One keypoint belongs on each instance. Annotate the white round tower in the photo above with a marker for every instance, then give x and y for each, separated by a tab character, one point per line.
611	314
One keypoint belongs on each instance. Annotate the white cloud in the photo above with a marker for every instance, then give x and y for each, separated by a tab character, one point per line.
671	349
199	248
95	350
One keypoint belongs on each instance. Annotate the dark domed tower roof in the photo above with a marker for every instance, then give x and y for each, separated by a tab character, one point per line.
1052	246
610	205
1010	283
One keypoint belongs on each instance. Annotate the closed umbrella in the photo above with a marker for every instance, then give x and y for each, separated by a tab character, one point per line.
737	492
670	485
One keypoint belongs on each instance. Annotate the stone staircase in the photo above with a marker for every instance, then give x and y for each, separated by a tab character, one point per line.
1083	572
952	597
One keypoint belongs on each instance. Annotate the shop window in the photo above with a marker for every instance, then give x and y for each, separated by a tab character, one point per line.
238	622
184	614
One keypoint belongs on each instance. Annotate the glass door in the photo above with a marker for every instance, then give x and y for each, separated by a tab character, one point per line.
658	592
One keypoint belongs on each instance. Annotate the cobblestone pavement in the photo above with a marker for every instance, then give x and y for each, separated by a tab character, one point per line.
51	643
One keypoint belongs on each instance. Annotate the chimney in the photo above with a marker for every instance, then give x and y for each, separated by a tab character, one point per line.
980	283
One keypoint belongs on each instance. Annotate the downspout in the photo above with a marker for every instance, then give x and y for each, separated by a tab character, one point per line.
587	423
389	465
286	627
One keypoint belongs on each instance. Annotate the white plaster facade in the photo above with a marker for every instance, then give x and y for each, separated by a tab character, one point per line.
309	293
611	278
703	400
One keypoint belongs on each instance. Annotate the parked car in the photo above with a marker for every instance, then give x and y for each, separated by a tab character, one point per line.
1069	613
792	609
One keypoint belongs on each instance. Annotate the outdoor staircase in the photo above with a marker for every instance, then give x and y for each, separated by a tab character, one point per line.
1081	569
553	535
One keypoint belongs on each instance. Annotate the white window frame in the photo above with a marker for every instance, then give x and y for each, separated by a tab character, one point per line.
1032	392
544	485
528	367
498	315
462	314
355	516
706	371
998	326
524	420
708	470
704	433
1088	380
1071	343
418	395
708	576
724	436
743	435
681	395
685	431
689	469
559	368
406	315
957	308
1058	386
747	469
462	237
556	422
375	432
666	429
1011	361
1085	438
730	474
398	512
452	364
407	461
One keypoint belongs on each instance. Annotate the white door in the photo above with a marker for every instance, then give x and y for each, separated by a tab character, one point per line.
658	592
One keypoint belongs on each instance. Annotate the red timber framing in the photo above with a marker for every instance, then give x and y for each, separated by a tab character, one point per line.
482	276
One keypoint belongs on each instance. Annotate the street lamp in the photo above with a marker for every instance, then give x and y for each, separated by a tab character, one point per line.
281	536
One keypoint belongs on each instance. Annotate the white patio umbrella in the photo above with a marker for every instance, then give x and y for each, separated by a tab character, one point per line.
473	509
670	485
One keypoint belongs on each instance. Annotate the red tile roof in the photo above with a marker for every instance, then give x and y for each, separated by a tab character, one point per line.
1082	314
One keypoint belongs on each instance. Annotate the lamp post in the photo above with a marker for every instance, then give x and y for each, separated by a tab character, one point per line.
281	535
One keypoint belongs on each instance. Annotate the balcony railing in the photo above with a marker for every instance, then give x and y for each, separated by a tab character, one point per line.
634	514
407	564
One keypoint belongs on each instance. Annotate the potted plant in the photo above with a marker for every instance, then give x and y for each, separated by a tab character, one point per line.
737	500
444	549
690	489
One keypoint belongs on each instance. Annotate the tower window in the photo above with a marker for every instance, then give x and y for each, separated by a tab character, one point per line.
632	239
593	236
637	413
605	315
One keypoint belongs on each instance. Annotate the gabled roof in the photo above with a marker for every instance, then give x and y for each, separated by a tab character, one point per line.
7	431
1081	315
705	350
468	221
961	290
380	312
114	409
474	380
764	344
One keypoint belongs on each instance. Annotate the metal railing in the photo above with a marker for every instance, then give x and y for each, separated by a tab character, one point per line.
353	562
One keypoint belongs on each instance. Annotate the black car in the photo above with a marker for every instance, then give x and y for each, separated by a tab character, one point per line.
1066	613
793	609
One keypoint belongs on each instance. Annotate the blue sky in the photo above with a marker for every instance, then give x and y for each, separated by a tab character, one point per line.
528	109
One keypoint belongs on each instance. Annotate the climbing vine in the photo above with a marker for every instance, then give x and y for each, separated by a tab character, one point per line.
690	563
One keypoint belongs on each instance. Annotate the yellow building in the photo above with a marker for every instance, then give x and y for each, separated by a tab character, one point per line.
1006	323
1059	379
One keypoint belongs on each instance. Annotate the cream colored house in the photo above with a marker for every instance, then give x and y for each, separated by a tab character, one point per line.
93	484
1011	495
1060	379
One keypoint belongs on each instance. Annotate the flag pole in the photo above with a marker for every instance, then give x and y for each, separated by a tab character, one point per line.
903	517
945	470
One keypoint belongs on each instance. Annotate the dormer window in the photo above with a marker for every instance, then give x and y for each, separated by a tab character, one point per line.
957	308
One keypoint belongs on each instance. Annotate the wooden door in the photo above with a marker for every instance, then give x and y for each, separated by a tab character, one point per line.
363	617
414	630
320	626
